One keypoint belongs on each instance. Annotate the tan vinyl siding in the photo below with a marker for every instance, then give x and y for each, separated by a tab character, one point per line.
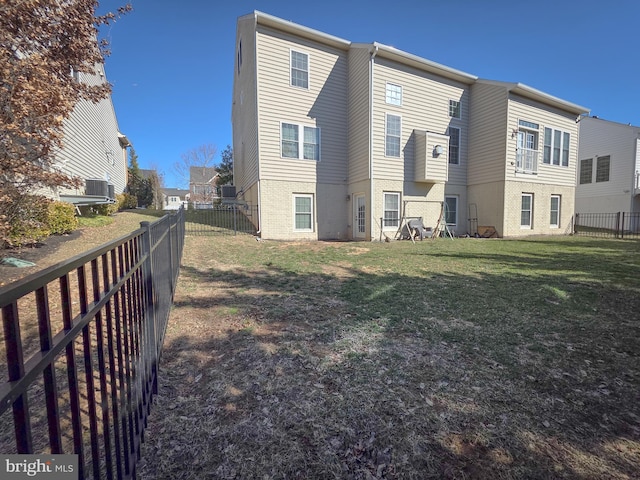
359	114
524	109
245	109
323	105
488	134
91	132
425	106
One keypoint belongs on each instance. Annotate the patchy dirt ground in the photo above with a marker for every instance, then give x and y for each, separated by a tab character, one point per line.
59	248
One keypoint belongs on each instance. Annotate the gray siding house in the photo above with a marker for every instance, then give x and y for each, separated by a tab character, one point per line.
340	140
609	167
94	149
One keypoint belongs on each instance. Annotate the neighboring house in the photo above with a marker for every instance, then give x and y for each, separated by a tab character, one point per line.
341	140
609	167
93	149
174	198
203	186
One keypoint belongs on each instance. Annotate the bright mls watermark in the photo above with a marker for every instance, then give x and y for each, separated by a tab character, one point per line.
51	467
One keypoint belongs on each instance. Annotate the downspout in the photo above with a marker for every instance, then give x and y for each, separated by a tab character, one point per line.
372	221
255	64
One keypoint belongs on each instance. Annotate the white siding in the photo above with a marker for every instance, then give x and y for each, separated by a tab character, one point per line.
600	138
91	149
323	104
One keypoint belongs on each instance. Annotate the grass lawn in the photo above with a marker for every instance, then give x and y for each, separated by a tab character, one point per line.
494	359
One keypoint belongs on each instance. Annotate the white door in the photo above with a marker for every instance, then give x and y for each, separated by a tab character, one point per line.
359	216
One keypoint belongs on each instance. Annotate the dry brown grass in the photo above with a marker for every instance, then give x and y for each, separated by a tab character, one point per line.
274	368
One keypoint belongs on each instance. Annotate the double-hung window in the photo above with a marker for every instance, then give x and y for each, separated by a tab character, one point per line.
299	69
554	220
391	210
394	94
292	134
602	169
526	210
454	109
454	145
303	212
393	135
451	210
556	147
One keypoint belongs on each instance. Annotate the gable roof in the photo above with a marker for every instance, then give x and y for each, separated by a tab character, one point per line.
202	175
175	192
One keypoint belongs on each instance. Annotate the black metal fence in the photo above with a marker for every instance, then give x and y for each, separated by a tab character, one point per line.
617	225
229	219
82	341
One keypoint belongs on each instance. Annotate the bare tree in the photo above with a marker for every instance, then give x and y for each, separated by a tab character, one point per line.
44	42
202	156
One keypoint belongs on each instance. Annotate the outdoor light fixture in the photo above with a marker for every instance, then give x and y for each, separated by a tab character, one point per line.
439	150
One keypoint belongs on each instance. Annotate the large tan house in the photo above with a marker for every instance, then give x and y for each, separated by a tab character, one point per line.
340	140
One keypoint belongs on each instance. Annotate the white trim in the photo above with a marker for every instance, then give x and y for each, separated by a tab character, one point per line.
530	226
390	227
449	157
295	212
558	211
552	146
457	199
301	127
386	123
356	231
308	87
459	109
386	94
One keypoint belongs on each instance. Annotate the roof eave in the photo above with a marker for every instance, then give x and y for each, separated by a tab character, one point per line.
299	30
424	64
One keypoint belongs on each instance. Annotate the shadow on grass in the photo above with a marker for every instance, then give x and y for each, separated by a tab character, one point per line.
527	372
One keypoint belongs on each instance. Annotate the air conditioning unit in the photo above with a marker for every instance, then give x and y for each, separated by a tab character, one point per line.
112	191
228	191
98	188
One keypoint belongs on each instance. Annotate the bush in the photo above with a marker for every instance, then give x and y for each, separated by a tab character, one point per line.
105	209
30	221
61	218
126	201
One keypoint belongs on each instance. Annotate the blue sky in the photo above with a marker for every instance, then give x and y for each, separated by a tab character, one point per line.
172	62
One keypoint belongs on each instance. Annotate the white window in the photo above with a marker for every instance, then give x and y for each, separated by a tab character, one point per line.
303	212
526	210
586	171
556	147
299	69
451	210
291	133
394	94
454	145
602	169
391	215
454	109
527	152
554	220
393	135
